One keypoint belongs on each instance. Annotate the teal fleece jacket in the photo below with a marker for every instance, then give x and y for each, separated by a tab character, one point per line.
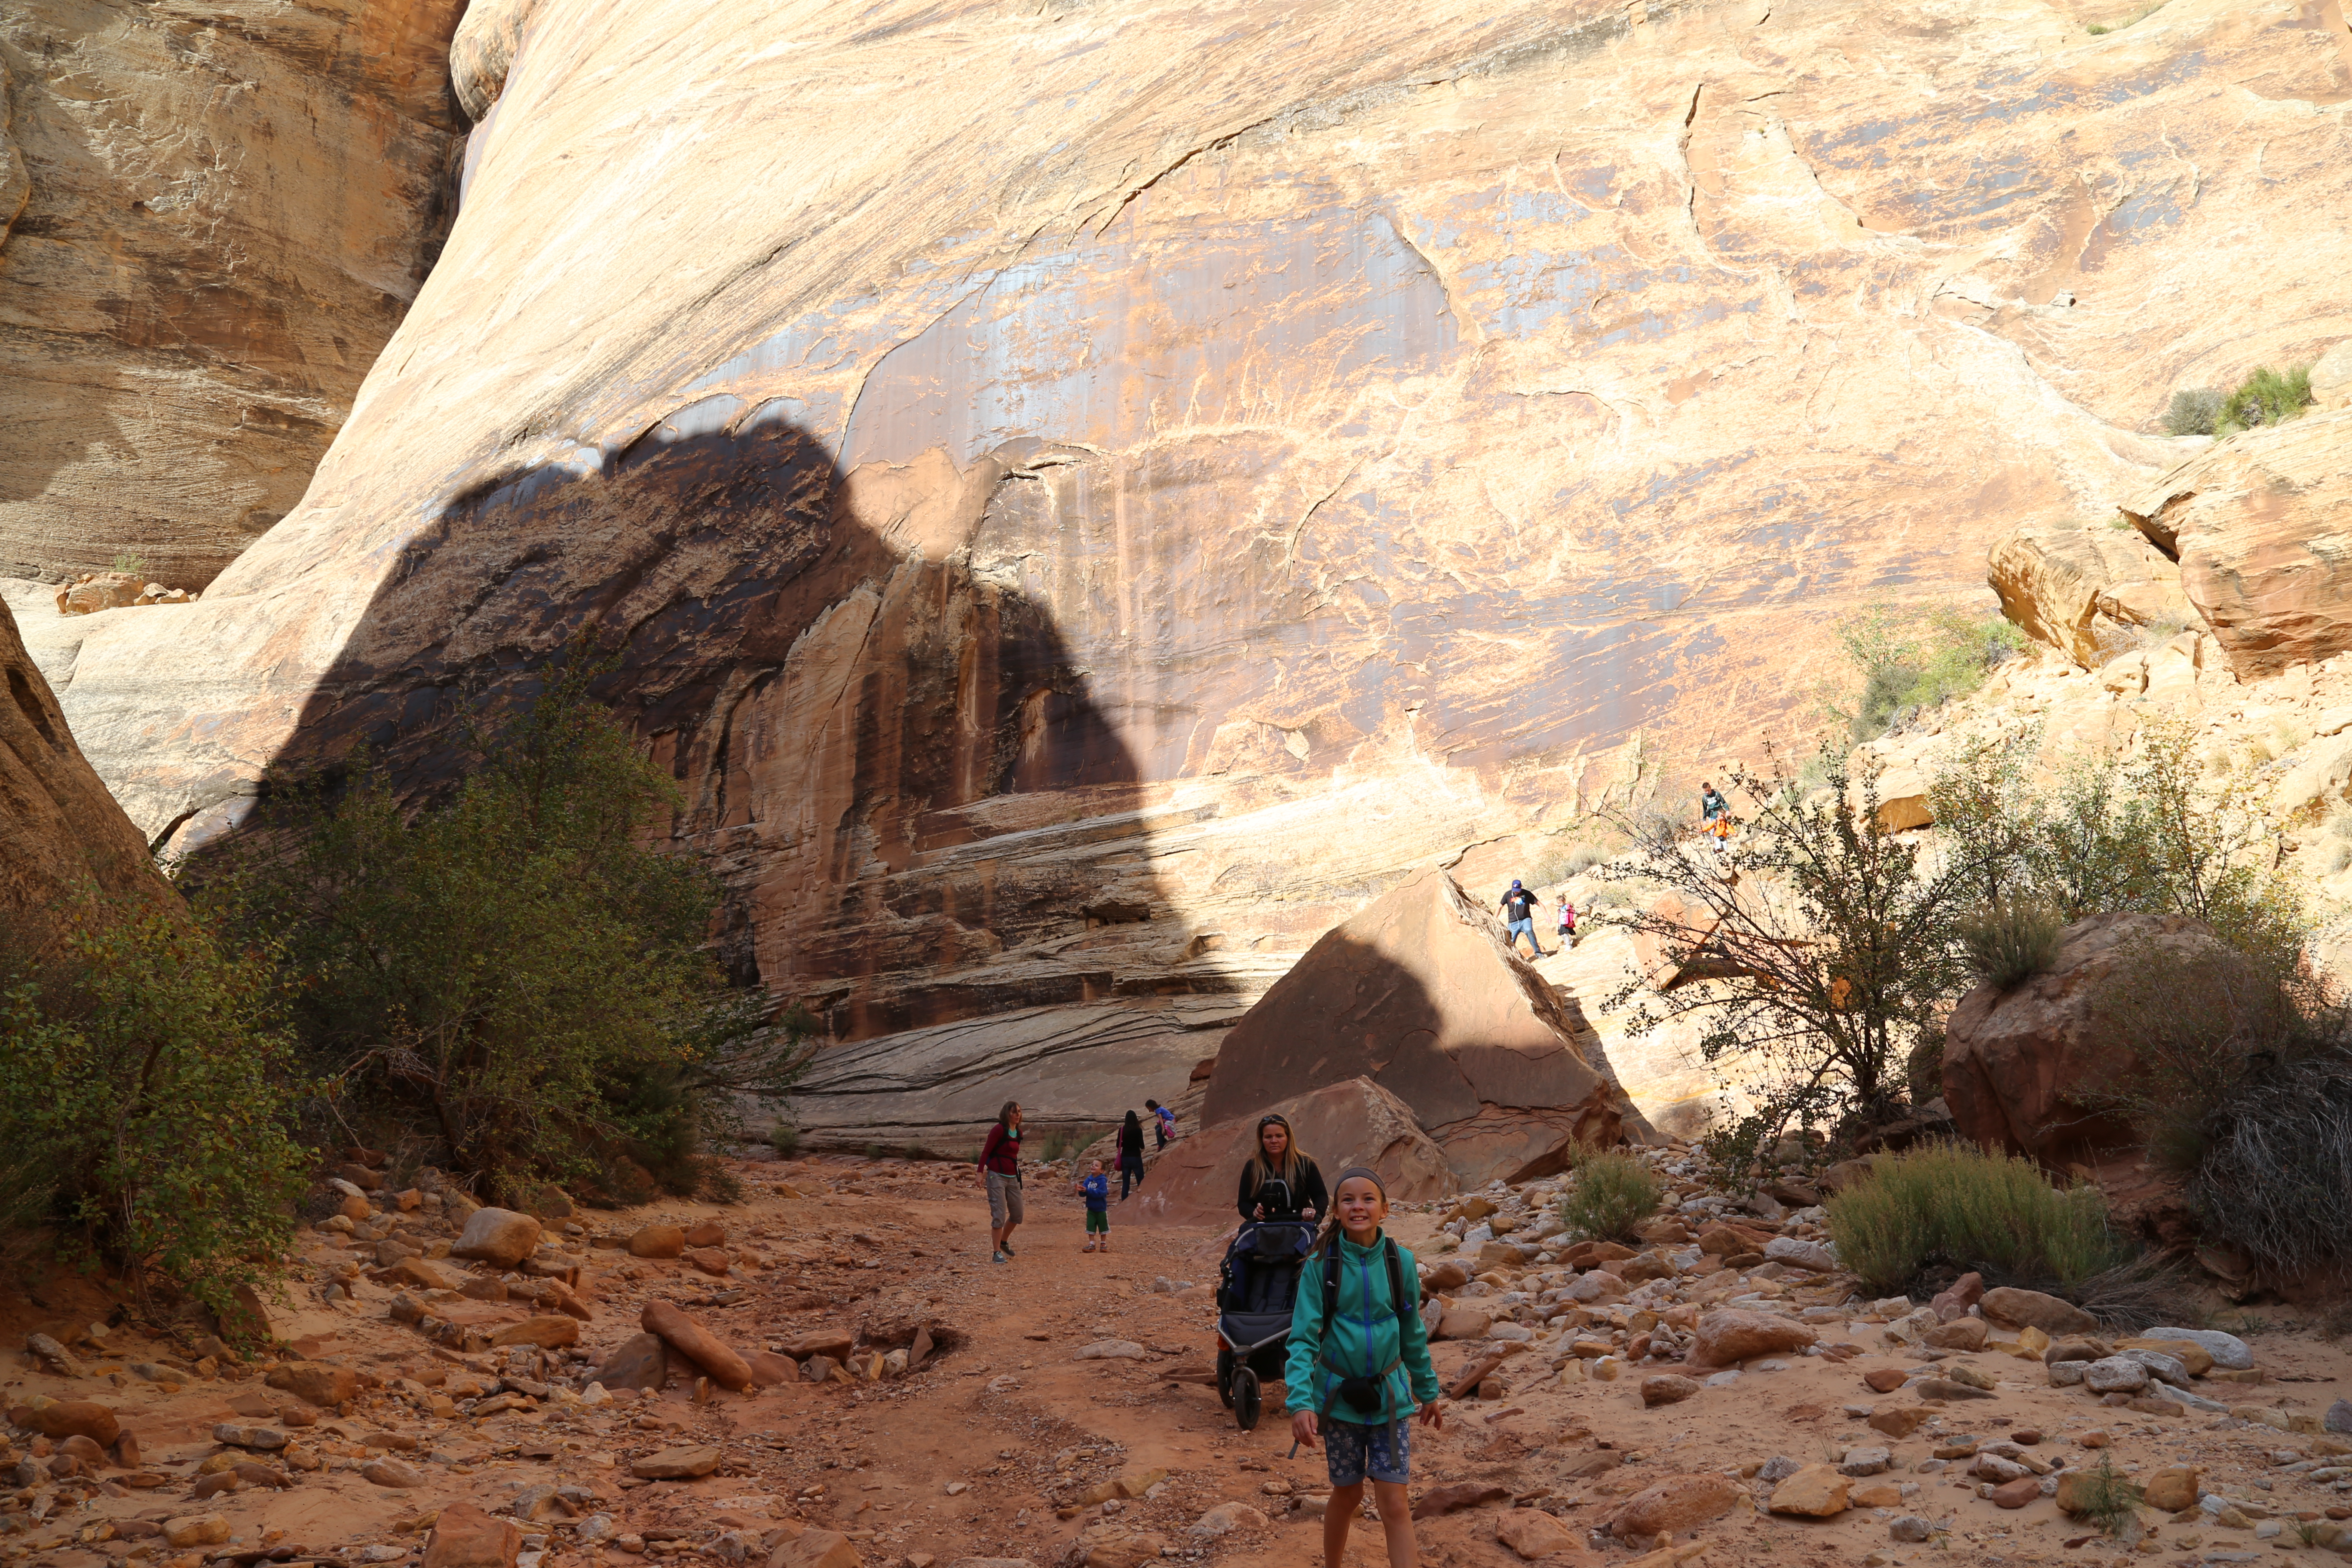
1360	1340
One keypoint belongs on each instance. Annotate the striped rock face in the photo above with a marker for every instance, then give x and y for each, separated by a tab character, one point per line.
1091	497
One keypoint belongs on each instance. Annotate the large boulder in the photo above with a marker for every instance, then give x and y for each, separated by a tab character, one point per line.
1418	993
60	831
2024	1069
1353	1123
2252	520
2080	587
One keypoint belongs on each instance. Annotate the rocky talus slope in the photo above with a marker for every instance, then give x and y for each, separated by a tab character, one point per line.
830	1374
211	220
1090	500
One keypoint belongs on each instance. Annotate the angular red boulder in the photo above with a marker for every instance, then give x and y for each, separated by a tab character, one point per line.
1417	992
2023	1068
1356	1123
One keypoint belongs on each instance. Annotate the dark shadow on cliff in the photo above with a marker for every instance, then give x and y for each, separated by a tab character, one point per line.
854	724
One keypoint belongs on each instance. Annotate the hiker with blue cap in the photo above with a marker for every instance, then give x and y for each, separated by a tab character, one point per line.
1519	918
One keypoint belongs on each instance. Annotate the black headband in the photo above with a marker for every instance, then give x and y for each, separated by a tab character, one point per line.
1367	1172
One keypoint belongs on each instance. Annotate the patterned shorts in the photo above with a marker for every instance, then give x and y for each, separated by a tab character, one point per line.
1383	1453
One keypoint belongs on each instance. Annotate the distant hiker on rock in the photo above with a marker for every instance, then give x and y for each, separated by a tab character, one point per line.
1518	907
1296	1186
999	1173
1095	1187
1359	1364
1567	923
1165	1118
1711	804
1130	1154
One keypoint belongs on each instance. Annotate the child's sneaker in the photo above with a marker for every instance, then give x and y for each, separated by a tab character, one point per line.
1089	1246
998	1256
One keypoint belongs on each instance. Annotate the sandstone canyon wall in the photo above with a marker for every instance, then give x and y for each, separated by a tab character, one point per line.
1090	496
211	219
62	837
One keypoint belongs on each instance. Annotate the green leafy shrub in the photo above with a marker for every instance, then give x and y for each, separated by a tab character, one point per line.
2265	397
146	1106
1911	659
516	973
784	1138
1611	1196
2158	833
133	563
1952	1203
2011	942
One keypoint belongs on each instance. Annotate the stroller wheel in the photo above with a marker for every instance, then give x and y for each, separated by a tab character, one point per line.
1246	1399
1225	1375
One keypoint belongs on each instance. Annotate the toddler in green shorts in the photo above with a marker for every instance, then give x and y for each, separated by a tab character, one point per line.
1095	1187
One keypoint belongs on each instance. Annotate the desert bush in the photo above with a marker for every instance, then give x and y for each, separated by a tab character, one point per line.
1819	970
2191	1028
1956	1204
2105	1498
784	1138
1611	1195
1912	659
2194	411
133	563
2265	397
2009	943
145	1104
2157	833
515	972
2276	1163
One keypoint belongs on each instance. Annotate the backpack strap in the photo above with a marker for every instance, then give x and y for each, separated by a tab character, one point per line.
1405	1308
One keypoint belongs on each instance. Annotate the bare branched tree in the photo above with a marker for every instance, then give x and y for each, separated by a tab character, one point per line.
1812	947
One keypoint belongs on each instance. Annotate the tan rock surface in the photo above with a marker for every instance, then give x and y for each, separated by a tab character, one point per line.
221	223
1080	539
2250	521
1675	1505
61	832
1418	993
2083	588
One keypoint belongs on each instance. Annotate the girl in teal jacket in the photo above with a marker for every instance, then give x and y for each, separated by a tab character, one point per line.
1354	1377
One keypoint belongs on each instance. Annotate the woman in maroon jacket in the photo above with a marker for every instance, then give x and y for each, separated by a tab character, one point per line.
999	1173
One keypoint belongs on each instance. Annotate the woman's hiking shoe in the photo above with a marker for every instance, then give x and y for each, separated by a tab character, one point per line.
997	1256
1006	1250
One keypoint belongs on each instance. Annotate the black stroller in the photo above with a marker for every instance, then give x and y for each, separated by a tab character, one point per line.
1256	1287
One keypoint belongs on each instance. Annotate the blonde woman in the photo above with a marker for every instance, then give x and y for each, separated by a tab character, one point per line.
1299	1195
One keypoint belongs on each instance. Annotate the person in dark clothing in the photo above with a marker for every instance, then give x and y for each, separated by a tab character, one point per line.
1711	804
1519	918
1130	1154
1279	1159
999	1173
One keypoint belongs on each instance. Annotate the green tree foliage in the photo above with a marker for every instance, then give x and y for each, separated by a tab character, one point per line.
1816	951
2153	833
146	1102
1912	659
518	974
